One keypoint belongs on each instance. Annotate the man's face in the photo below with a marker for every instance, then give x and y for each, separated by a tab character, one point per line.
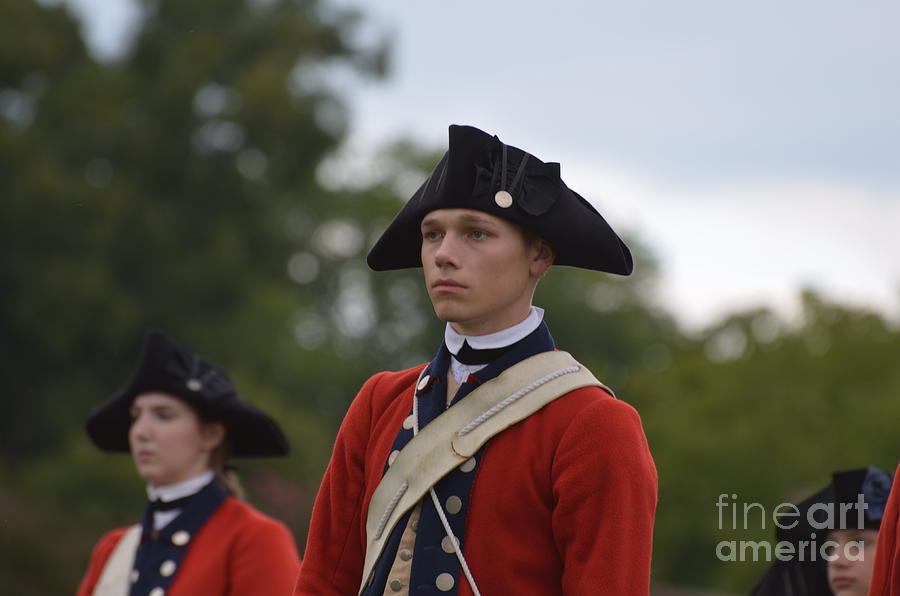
480	270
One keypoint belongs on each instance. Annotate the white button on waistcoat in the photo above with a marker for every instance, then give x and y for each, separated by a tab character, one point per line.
447	545
167	568
454	505
468	465
444	582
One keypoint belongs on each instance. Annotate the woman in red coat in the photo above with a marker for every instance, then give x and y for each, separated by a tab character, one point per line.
181	418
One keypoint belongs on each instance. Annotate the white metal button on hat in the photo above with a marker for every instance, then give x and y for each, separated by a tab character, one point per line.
194	384
180	538
167	568
503	199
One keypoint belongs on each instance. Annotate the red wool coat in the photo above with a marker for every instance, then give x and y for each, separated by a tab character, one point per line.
886	571
562	504
238	551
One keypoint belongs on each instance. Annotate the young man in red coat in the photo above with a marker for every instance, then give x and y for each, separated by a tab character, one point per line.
560	502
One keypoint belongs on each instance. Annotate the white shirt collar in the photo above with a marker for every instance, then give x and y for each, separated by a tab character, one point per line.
498	339
179	489
462	371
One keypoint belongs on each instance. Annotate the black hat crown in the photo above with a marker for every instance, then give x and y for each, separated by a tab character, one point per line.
480	172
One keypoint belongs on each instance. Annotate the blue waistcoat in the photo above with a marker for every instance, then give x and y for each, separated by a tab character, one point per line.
160	552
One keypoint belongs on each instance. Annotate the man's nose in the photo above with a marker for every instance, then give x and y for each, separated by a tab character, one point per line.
447	253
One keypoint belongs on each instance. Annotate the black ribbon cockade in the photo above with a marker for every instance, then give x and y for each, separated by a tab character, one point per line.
875	488
534	185
199	376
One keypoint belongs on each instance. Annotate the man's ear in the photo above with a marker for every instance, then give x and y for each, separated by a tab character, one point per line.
213	434
543	256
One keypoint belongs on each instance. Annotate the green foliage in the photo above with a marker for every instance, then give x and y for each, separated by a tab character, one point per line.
193	185
158	191
765	410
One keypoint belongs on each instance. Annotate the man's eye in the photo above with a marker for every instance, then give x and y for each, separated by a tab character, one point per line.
431	235
479	234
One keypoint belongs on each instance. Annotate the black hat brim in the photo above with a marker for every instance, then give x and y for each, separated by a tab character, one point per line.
250	432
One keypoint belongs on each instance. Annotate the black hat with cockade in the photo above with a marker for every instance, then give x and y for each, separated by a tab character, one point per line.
480	172
166	367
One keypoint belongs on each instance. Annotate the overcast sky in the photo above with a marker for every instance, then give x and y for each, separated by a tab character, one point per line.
754	145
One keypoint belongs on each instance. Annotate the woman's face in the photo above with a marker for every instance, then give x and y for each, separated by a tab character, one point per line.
169	442
850	570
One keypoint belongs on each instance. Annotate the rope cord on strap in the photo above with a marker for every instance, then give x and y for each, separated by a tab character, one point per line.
476	422
390	508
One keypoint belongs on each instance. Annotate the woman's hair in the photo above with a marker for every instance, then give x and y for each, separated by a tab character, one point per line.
218	460
226	474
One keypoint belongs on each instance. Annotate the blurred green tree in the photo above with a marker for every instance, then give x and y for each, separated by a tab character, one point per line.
764	408
167	188
194	185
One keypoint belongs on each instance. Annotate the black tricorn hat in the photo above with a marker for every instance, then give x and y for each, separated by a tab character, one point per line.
809	577
480	172
872	485
166	367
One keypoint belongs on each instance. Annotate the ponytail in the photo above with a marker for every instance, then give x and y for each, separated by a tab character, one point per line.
225	473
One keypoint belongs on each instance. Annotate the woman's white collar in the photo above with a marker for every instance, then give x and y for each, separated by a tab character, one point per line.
179	489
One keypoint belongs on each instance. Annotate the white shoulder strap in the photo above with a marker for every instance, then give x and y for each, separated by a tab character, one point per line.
458	434
116	577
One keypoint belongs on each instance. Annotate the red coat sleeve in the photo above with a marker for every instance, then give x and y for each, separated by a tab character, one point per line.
605	487
263	560
102	550
886	569
335	549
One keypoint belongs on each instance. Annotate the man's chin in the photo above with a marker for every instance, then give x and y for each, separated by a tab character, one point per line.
447	314
448	319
